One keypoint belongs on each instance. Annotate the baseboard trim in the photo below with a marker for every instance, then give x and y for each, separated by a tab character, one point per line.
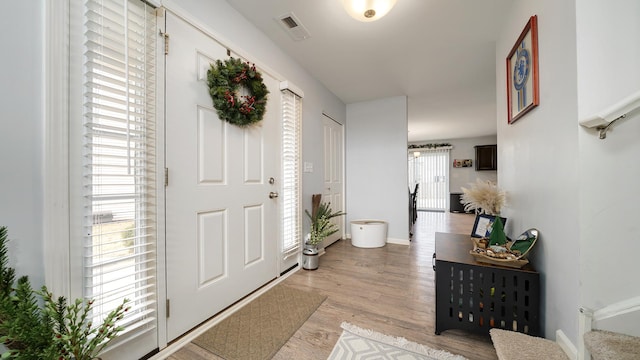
398	241
389	240
566	345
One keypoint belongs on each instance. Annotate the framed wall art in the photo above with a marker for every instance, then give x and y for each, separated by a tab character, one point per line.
523	93
461	163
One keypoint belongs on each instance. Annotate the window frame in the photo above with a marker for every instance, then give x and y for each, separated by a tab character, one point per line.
291	224
56	215
138	344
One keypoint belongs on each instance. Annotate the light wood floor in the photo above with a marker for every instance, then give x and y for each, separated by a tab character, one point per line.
389	290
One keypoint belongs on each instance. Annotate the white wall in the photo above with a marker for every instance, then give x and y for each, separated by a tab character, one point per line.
464	149
608	53
538	158
22	133
376	163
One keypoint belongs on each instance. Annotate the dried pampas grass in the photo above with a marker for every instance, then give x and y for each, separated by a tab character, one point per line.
483	196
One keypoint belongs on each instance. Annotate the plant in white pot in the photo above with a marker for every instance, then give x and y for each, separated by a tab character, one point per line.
321	228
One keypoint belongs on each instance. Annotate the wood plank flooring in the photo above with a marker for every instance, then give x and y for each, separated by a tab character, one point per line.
389	290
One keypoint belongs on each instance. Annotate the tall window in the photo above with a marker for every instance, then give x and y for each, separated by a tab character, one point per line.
119	160
291	123
429	169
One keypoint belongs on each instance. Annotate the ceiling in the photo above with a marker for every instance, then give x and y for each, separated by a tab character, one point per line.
439	53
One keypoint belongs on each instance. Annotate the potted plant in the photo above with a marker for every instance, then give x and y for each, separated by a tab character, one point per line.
321	227
35	325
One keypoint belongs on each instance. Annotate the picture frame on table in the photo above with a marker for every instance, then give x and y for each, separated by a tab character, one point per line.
523	93
483	225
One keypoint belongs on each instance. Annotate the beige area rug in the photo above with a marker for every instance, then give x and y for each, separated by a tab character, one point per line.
259	329
357	343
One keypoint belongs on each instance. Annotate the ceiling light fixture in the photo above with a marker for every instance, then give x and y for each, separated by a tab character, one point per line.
368	10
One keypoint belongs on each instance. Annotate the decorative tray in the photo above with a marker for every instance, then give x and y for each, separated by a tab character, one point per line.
479	253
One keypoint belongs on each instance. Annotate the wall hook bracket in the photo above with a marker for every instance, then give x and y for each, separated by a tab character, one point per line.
603	129
603	120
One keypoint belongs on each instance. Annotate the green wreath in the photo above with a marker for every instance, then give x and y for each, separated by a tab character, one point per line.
225	79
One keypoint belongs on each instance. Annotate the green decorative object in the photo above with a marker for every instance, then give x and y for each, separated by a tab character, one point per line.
525	241
497	236
428	146
229	78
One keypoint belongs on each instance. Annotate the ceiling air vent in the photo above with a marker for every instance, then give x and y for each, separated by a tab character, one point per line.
289	22
293	27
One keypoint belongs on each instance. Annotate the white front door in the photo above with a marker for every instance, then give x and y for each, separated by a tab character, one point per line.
333	173
222	228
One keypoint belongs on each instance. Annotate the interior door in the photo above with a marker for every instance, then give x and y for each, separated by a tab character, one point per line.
333	173
221	225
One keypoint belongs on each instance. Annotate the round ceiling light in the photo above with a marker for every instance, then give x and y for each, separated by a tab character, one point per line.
368	10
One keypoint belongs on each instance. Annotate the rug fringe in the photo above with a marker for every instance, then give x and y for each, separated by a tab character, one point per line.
400	342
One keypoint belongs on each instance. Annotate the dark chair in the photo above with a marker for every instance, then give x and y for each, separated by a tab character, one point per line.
413	209
414	204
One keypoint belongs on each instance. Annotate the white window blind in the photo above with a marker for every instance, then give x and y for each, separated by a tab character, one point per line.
429	168
119	170
291	124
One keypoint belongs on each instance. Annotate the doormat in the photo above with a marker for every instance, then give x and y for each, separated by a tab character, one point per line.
259	329
358	343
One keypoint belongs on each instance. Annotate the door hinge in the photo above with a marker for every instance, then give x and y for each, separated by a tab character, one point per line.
166	41
166	176
168	307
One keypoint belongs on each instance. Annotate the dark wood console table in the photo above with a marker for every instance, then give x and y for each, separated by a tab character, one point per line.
476	297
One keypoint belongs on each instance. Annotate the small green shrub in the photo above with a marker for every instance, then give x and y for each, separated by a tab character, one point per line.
36	326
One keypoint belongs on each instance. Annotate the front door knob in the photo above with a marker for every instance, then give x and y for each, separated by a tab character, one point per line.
273	195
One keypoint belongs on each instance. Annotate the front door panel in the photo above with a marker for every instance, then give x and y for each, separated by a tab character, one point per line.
221	226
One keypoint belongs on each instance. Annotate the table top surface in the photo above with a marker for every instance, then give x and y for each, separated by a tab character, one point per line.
455	248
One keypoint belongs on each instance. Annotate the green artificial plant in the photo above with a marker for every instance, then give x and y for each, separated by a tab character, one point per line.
321	225
36	326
